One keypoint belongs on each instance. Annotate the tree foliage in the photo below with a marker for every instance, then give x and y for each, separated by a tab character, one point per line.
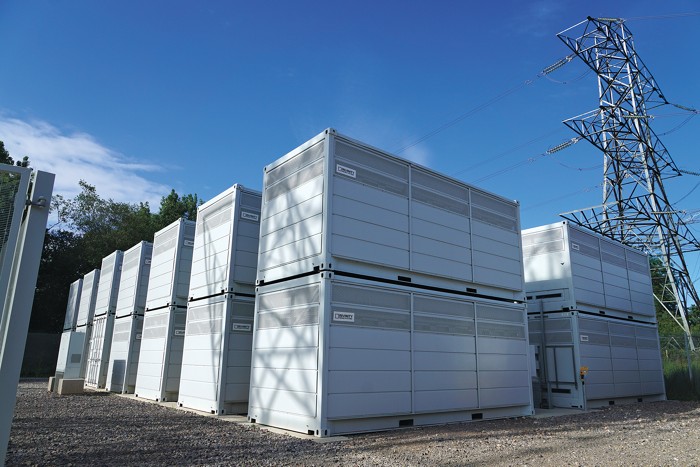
89	228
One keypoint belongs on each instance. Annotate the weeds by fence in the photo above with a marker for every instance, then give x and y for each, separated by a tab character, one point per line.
681	367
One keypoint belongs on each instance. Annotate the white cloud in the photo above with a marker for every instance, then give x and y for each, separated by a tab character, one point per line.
77	156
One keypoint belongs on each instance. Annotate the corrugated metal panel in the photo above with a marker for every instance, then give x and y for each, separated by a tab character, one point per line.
226	244
108	290
133	285
336	203
88	297
216	354
171	265
160	358
73	306
376	352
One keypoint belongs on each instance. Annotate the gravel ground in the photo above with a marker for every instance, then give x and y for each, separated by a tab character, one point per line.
102	429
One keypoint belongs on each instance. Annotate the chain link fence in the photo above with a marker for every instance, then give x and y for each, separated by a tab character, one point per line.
681	366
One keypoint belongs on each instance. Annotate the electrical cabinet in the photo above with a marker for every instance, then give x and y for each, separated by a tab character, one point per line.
103	321
338	204
335	354
592	317
160	357
131	304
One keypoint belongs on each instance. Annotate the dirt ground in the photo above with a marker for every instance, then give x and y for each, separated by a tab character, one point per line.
102	429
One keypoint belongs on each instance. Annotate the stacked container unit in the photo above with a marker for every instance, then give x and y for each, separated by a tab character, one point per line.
83	323
128	322
388	295
160	360
218	336
71	348
103	322
591	312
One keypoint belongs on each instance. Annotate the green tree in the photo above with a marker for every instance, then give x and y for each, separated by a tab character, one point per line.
173	207
4	155
89	228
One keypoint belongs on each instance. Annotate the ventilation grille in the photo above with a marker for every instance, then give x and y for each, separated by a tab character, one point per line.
166	240
584	243
215	215
443	307
151	321
155	332
440	325
504	208
613	259
289	298
299	178
593	325
637	262
440	201
494	219
250	200
379	298
374	179
371	160
205	320
302	316
646	333
622	341
563	337
500	314
486	329
548	241
294	164
440	185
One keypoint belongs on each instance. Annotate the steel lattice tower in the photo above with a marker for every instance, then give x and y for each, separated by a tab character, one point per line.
635	209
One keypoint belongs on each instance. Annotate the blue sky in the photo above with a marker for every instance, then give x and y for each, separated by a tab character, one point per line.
140	97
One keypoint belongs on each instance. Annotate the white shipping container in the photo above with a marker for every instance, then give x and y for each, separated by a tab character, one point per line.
160	358
226	244
73	306
215	372
88	298
70	355
568	267
171	265
98	351
338	204
334	354
103	322
124	354
86	313
621	358
131	303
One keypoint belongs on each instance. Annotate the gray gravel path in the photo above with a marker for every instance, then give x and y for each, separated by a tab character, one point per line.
102	429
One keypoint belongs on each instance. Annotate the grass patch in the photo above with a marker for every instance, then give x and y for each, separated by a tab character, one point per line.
679	386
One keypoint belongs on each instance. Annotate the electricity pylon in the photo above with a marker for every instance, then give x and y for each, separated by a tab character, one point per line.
635	209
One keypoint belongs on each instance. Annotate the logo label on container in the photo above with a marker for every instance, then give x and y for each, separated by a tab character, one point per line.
341	169
138	337
250	216
584	338
242	327
344	316
179	332
148	261
574	246
189	243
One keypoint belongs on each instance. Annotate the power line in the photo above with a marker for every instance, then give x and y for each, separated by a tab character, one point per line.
551	68
668	16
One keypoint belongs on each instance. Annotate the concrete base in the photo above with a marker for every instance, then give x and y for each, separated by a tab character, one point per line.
70	386
53	381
